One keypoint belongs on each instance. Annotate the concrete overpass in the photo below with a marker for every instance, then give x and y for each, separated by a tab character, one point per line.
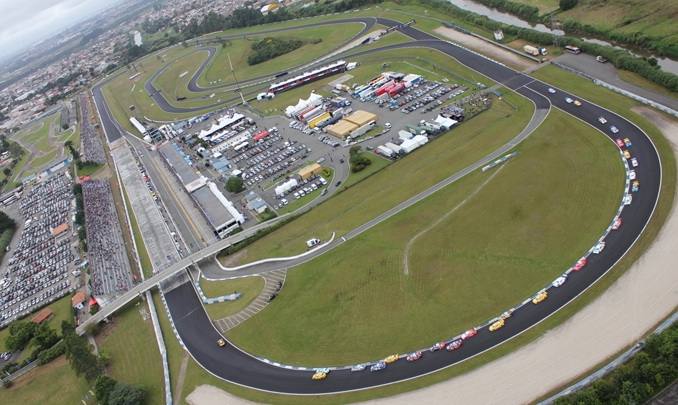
181	265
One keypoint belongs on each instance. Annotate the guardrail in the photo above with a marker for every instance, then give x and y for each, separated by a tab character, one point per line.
621	91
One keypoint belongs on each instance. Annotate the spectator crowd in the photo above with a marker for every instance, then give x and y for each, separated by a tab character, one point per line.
93	150
108	262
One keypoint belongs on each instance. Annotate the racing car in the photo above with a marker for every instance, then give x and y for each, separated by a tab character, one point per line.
392	358
358	367
634	186
616	224
414	356
580	264
379	366
469	333
540	297
559	281
438	346
497	325
455	344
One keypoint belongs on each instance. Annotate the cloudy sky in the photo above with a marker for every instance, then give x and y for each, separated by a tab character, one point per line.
25	22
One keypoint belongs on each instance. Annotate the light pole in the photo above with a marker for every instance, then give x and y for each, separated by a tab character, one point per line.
236	79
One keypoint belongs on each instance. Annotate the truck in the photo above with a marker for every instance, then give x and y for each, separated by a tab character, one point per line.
531	50
384	151
415	130
342	87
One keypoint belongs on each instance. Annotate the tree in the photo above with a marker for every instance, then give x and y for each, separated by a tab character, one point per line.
44	337
103	388
79	353
354	149
567	4
20	333
235	184
7	171
125	394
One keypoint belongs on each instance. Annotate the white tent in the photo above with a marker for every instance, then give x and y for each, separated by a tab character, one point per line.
446	122
313	100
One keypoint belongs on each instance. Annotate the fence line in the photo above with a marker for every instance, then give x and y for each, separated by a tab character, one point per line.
621	91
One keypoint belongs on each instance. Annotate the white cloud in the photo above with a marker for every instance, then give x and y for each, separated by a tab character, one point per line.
25	22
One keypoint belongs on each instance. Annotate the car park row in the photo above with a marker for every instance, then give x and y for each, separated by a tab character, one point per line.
38	271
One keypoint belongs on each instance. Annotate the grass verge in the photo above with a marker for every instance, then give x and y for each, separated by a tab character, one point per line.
249	287
135	358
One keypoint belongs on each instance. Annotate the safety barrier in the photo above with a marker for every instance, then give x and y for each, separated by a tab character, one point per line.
616	89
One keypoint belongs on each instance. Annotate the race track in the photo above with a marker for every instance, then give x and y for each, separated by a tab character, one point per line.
231	364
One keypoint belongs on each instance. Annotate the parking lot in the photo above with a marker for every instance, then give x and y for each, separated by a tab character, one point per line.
290	145
42	267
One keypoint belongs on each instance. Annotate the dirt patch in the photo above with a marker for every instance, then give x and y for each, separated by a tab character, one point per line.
234	259
485	48
667	126
211	395
107	330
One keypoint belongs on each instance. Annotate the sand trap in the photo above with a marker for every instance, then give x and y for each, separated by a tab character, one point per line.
211	395
486	48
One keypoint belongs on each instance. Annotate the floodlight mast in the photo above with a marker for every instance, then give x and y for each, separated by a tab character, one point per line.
236	79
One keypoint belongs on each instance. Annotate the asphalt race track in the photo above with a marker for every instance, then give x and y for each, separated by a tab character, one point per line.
199	335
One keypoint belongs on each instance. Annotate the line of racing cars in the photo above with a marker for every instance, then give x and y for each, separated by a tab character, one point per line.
321	373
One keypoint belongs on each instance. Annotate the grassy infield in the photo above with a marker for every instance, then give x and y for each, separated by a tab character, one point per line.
515	204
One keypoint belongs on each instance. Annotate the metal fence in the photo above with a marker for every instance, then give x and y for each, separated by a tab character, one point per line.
616	89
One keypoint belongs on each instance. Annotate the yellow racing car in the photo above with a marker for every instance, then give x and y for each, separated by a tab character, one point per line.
540	297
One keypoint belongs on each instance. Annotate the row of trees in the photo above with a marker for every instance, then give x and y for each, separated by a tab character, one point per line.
622	59
650	371
250	16
269	48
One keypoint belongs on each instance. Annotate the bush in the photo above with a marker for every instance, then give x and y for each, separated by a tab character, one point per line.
7	383
358	162
52	353
235	184
567	4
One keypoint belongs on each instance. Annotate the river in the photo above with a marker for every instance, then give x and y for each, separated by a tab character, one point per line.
668	65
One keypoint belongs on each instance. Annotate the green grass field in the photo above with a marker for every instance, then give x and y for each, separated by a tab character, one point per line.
651	17
135	358
54	383
576	168
332	37
250	287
